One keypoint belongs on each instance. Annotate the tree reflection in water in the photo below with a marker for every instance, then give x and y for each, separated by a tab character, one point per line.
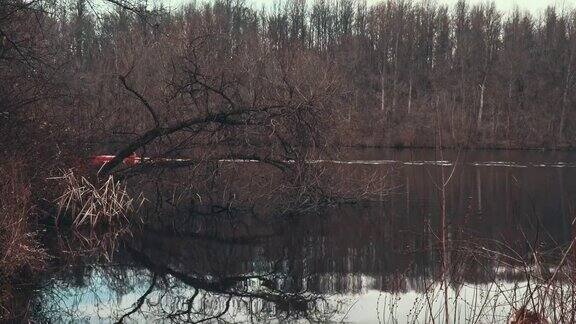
162	275
237	269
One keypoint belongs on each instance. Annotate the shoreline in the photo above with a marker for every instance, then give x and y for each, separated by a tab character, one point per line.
467	148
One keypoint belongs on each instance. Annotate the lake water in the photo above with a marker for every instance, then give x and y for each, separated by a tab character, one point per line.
388	262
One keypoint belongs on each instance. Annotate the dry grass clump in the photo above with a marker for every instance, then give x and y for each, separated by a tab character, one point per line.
92	205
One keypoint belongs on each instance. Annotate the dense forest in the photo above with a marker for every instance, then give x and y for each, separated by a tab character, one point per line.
399	70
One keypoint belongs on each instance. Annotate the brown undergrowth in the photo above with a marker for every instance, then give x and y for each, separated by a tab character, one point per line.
20	252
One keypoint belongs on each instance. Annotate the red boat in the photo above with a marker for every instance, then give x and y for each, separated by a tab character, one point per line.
100	160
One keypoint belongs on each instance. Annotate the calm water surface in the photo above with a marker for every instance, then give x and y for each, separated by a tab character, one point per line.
370	262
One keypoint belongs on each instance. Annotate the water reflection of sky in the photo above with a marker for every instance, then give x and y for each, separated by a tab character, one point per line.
99	301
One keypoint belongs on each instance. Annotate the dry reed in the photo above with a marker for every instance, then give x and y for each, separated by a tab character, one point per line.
87	204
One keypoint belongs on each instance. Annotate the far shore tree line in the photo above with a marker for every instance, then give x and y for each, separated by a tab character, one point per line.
388	74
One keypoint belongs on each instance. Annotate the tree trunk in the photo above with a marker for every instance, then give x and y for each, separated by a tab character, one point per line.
565	100
480	111
394	89
494	123
382	99
410	96
508	112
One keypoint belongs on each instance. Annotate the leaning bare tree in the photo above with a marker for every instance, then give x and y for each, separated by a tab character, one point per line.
229	102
